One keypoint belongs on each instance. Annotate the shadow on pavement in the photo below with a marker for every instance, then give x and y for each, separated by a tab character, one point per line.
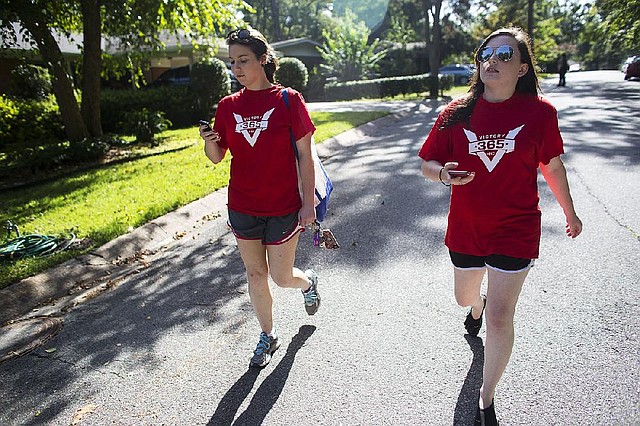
268	392
593	120
190	288
468	397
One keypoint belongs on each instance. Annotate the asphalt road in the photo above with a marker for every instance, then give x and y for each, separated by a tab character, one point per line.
170	344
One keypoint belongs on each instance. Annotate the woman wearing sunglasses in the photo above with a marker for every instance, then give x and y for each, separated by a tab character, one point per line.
266	211
501	132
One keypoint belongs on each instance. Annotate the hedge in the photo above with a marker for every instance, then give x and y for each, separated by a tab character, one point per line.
384	87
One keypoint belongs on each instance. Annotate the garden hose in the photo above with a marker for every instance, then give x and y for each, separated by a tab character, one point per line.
32	245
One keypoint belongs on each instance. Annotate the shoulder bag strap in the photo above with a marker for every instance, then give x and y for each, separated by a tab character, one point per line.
285	97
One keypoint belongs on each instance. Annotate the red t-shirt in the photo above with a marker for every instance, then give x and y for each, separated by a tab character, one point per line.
254	126
497	212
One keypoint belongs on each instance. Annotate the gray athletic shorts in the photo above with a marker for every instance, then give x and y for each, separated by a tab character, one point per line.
271	230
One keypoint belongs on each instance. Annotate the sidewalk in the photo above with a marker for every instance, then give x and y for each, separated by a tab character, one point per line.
62	287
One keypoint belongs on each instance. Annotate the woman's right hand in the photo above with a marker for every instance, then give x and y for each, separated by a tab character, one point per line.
208	134
212	150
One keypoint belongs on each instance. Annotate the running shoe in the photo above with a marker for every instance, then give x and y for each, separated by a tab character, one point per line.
486	417
266	347
473	325
311	296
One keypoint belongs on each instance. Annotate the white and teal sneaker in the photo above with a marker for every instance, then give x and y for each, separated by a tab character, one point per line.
311	296
266	347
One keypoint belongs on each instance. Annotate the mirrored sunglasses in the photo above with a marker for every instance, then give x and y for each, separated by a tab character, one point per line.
503	53
241	35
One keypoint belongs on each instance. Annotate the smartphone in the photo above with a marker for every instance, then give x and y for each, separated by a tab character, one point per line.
205	124
459	173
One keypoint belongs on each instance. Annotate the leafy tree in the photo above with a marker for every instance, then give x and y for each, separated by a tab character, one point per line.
347	54
137	25
30	82
457	42
548	16
611	33
620	23
409	14
400	30
37	19
285	19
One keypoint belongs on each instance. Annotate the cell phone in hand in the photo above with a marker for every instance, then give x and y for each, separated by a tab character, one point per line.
206	124
459	173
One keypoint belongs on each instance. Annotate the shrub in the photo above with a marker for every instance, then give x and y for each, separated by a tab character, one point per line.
144	125
315	86
90	149
210	82
182	105
30	82
50	155
29	121
177	103
292	73
399	62
383	87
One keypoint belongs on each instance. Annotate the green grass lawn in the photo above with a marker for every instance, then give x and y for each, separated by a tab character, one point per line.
105	202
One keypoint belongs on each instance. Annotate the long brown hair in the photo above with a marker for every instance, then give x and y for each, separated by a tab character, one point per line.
258	44
528	83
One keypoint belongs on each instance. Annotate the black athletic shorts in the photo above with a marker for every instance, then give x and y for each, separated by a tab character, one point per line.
498	262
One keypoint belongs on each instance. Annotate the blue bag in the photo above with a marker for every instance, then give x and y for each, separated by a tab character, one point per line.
323	184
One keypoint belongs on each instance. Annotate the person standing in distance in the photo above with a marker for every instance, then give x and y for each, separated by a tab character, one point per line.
502	131
563	67
266	210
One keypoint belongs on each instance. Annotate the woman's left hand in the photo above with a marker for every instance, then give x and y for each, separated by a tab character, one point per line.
445	177
306	216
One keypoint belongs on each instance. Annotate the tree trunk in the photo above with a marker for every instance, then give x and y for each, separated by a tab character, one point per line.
433	37
530	21
35	22
91	66
275	11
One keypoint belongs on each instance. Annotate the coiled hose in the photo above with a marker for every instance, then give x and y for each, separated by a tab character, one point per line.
32	245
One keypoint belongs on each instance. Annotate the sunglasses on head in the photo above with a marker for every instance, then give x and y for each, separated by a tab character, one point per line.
242	35
503	53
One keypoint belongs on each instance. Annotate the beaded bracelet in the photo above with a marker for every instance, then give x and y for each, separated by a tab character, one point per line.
440	177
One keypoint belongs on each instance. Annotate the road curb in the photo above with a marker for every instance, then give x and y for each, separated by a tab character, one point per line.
104	265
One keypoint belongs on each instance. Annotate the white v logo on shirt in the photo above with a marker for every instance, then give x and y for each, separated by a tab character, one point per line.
256	125
498	147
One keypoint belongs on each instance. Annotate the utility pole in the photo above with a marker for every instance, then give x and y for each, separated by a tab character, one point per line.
530	22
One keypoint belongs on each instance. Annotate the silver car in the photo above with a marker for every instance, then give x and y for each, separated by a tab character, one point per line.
461	73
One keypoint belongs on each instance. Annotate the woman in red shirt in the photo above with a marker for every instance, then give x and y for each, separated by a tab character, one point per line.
501	132
266	211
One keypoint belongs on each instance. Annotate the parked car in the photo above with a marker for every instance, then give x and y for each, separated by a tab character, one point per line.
461	73
574	67
631	67
180	76
173	76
